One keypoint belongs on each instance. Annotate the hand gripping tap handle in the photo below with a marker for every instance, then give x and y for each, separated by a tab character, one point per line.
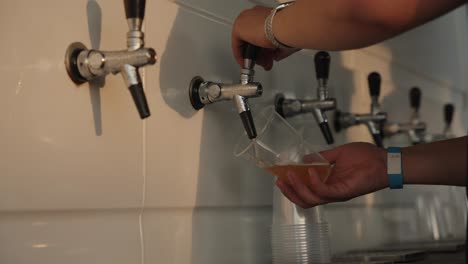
135	8
449	110
322	65
415	98
374	80
250	51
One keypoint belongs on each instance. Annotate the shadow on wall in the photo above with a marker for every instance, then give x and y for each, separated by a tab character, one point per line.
94	15
233	205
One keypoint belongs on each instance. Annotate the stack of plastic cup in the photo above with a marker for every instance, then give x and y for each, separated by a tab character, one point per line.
298	235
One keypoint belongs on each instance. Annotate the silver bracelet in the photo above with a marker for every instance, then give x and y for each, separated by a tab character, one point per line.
269	26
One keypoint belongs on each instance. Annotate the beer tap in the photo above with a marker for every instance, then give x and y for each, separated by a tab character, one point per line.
374	120
415	128
449	110
84	65
203	92
292	107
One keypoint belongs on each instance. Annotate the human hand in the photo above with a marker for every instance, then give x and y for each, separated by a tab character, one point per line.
249	27
360	168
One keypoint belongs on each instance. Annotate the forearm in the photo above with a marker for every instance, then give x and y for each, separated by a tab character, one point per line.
340	25
440	163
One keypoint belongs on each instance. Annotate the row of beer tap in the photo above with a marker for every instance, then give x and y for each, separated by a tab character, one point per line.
84	65
203	92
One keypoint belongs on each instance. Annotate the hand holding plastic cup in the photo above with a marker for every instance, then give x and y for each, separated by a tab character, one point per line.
279	148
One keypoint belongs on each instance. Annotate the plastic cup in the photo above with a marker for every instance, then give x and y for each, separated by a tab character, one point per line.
279	148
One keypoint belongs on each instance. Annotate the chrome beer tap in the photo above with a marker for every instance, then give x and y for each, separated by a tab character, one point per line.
415	128
203	92
449	110
84	64
291	107
374	120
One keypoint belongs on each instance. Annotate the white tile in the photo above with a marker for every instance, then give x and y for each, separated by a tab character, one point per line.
53	154
75	237
208	235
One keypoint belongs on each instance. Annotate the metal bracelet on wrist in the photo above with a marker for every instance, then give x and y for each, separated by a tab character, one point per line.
269	26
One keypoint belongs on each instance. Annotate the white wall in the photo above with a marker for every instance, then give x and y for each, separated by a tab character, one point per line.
83	180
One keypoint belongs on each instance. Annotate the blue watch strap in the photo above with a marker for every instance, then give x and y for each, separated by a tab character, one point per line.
394	168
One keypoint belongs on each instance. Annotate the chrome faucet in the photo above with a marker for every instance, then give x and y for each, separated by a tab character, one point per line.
291	107
449	110
84	64
203	92
374	120
415	128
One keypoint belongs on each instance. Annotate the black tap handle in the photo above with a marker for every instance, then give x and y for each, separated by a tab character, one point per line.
138	95
449	109
337	121
322	64
249	125
250	51
415	98
325	128
374	80
135	8
378	140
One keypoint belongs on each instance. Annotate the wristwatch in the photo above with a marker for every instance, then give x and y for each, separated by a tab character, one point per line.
269	26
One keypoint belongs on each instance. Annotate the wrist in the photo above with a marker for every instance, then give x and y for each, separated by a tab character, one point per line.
384	183
271	25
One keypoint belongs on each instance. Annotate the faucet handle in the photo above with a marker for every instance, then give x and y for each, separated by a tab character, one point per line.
374	80
449	109
250	51
135	8
322	65
138	95
415	98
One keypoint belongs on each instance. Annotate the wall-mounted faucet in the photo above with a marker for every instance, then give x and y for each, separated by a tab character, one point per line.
203	92
318	107
415	129
374	120
449	110
84	65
